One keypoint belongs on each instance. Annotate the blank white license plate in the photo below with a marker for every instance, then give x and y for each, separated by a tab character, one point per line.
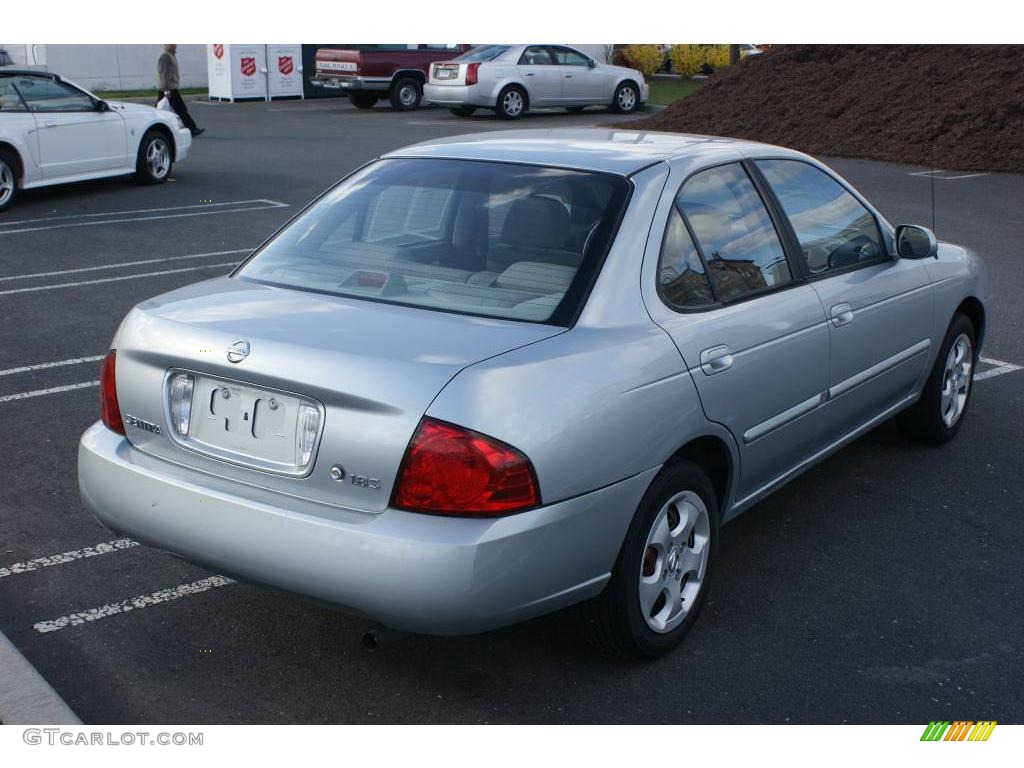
446	73
245	423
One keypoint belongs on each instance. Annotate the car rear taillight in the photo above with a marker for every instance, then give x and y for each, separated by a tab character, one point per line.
471	73
450	470
110	413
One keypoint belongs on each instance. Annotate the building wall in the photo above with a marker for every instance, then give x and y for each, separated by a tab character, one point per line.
110	67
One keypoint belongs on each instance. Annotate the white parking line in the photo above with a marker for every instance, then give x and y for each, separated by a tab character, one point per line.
142	601
161	213
1001	368
57	364
4	278
115	279
67	557
936	175
50	391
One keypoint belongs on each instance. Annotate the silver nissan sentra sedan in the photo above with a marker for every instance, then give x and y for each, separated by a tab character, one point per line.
488	377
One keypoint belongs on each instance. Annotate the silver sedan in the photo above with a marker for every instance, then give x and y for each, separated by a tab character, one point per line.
512	79
492	376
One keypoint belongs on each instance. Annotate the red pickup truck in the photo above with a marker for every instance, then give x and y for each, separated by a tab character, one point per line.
367	72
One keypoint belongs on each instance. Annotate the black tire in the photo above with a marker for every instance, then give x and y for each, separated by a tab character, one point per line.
147	170
8	179
923	421
506	108
621	103
614	621
462	111
575	109
364	99
406	94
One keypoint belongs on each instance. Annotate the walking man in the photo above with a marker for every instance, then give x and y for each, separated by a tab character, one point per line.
168	81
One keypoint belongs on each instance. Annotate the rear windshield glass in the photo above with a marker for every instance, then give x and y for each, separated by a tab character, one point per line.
483	53
494	239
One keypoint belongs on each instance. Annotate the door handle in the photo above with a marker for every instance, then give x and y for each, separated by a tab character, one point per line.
529	74
50	123
715	360
842	314
568	75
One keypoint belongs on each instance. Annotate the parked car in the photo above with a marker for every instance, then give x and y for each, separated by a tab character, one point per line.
53	132
512	79
366	73
488	377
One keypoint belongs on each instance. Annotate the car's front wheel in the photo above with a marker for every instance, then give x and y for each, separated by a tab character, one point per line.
155	158
936	417
8	180
661	577
626	98
511	102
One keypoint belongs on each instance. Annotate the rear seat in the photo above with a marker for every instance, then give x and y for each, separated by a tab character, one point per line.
535	230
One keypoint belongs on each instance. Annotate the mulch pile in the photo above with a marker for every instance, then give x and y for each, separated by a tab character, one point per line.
956	107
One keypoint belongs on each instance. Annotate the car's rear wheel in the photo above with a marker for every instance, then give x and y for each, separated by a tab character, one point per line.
8	180
626	98
936	417
406	94
661	577
155	158
363	99
512	103
462	111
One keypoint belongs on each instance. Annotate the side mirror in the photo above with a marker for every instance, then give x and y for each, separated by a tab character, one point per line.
591	63
102	106
914	242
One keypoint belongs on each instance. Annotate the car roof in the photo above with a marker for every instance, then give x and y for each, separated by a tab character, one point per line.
610	150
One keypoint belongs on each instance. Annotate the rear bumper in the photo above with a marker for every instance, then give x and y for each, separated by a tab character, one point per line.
351	83
456	95
420	573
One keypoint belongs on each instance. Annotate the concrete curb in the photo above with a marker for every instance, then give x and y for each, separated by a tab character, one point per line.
25	697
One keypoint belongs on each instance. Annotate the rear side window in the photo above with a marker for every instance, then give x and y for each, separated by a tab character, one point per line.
496	239
682	279
737	241
834	229
483	53
536	54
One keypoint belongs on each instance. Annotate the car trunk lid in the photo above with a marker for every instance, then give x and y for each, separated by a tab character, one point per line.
371	368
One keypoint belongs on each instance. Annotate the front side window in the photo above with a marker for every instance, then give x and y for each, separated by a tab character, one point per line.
570	58
45	95
495	239
536	54
737	240
834	229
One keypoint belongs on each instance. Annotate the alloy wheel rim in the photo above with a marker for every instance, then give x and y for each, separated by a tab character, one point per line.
158	158
956	380
627	98
513	103
407	95
675	560
6	183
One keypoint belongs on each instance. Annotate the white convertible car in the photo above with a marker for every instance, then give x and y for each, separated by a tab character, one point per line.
53	132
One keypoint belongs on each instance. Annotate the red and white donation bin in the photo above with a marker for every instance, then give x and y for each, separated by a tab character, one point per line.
241	71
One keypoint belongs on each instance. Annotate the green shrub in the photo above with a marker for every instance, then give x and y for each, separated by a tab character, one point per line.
686	59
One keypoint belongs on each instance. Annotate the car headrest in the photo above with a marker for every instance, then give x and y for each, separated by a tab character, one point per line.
536	222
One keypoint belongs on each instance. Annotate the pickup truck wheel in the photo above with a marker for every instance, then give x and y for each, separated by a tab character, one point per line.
155	159
363	99
462	111
512	102
661	577
937	415
406	94
8	180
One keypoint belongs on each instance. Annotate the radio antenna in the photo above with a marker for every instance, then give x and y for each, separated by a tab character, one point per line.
932	174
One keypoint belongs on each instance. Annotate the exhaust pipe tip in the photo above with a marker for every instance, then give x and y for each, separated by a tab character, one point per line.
376	637
370	641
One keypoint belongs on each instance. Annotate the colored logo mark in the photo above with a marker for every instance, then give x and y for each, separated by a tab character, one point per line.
958	730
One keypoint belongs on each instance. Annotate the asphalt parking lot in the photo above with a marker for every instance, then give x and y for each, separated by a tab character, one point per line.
883	586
